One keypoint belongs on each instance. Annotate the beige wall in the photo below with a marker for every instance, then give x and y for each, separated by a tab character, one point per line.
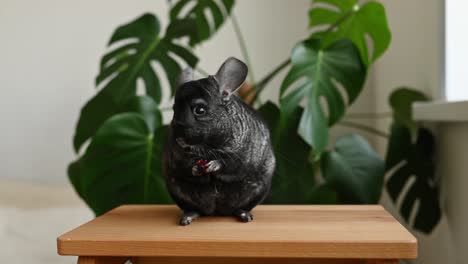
49	57
49	54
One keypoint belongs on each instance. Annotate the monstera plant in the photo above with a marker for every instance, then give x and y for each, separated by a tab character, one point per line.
120	134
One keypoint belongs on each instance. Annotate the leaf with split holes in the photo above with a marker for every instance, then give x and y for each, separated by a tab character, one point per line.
410	163
190	18
293	181
122	164
354	170
124	65
318	73
131	61
413	164
354	22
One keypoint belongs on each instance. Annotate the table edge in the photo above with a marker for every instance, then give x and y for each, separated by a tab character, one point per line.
68	247
399	250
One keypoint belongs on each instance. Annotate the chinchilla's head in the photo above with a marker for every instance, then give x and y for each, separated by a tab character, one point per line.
203	109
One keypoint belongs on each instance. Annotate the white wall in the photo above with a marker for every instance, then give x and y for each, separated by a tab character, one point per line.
415	58
49	53
453	145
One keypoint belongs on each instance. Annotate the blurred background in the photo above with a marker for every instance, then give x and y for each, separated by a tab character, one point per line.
49	54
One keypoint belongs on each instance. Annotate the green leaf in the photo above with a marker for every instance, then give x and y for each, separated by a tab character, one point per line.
190	19
99	108
319	72
355	170
401	101
149	110
122	164
123	66
293	182
412	164
354	22
323	194
92	115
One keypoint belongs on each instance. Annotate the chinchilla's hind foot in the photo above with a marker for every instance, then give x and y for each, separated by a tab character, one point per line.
188	217
244	216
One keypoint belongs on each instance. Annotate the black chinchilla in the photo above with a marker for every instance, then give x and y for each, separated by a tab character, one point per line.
218	159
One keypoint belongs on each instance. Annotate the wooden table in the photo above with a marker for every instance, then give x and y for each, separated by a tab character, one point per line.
279	234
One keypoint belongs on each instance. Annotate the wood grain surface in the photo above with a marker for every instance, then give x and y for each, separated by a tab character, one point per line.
226	260
308	231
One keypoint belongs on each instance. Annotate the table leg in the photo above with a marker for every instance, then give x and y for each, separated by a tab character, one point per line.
102	260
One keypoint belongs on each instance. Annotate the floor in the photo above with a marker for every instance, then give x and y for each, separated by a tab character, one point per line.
32	216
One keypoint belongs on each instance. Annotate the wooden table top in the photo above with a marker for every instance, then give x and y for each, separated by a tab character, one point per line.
308	231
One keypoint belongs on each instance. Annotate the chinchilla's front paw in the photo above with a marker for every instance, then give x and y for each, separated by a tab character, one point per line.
212	166
206	167
196	170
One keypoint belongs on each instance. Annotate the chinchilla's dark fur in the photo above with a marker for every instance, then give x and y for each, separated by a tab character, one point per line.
212	124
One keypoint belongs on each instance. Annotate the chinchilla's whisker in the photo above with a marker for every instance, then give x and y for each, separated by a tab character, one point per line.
226	153
213	153
232	156
218	156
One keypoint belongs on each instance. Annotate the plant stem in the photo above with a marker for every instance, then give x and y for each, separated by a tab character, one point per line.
149	155
165	109
364	128
368	115
202	71
339	21
258	87
243	47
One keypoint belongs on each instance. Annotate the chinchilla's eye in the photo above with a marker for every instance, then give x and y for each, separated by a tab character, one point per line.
199	110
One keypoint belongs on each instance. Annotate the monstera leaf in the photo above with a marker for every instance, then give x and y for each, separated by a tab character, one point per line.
189	18
122	164
401	101
355	170
413	163
410	160
132	60
293	182
354	22
322	193
124	65
318	73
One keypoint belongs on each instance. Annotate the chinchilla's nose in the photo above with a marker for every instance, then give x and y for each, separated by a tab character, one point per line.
179	128
178	124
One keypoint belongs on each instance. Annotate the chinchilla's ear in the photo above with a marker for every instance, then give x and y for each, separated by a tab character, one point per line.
185	76
230	76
